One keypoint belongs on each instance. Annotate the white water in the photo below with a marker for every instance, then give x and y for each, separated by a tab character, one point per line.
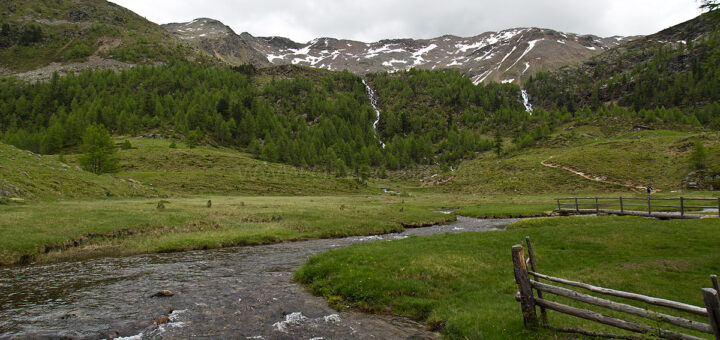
526	102
373	102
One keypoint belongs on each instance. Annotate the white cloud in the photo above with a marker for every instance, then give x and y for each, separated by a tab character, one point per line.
372	20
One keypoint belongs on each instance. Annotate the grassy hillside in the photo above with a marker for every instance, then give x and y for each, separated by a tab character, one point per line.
656	158
676	67
151	169
613	157
35	33
26	175
209	170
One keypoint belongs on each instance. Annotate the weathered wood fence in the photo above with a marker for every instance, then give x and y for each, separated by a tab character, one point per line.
530	301
680	207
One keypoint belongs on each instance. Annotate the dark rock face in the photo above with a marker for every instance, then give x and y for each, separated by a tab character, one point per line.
81	13
506	56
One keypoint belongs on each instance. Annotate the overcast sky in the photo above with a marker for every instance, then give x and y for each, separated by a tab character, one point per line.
372	20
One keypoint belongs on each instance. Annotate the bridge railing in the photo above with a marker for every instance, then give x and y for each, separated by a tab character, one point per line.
637	205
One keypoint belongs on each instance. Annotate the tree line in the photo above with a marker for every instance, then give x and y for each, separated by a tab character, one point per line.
314	119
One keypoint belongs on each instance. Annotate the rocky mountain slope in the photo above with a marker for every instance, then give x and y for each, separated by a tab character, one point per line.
38	38
676	67
506	56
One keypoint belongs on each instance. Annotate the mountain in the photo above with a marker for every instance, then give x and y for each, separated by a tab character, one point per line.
220	41
506	56
676	67
70	35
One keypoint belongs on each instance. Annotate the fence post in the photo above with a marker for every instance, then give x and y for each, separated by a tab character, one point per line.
714	280
712	303
622	209
559	207
597	206
577	207
718	206
533	266
649	209
527	302
682	207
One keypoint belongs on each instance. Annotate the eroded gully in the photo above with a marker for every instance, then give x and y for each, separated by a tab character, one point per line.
239	293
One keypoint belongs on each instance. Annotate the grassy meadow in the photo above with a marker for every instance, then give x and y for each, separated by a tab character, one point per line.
52	231
171	197
462	284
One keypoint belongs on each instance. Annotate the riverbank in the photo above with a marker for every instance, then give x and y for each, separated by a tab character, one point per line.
242	292
46	232
57	231
461	285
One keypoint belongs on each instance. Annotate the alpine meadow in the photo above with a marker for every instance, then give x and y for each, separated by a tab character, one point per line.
180	180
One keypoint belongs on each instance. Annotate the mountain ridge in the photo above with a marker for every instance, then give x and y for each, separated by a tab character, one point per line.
510	55
38	38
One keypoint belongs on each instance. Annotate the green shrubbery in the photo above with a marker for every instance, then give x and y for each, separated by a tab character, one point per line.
99	154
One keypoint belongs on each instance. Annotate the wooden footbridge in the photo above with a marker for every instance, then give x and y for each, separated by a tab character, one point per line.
663	208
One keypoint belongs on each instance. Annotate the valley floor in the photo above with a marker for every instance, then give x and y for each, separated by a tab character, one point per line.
50	231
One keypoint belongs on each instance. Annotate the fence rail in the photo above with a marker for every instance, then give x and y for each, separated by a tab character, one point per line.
529	301
683	207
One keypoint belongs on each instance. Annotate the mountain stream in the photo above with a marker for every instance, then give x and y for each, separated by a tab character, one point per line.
242	292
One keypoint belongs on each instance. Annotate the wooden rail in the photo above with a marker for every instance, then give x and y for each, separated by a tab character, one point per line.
529	301
680	207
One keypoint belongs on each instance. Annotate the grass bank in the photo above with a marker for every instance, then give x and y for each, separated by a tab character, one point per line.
463	284
52	231
48	231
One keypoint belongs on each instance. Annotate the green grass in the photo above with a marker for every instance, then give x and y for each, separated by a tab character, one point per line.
656	158
463	284
153	169
519	174
133	38
53	231
47	230
29	176
209	170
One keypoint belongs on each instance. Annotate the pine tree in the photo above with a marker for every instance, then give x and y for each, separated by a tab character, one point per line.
498	143
99	151
698	157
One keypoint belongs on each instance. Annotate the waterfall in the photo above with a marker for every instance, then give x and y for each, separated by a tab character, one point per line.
373	102
526	102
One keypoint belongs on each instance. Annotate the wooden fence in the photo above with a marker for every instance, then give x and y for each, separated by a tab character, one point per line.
680	207
529	301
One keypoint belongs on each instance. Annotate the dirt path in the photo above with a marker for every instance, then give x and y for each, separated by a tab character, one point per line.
599	179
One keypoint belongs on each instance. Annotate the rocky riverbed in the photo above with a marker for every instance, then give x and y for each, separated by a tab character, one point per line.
244	292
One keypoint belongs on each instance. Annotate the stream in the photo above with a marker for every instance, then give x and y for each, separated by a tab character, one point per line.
241	292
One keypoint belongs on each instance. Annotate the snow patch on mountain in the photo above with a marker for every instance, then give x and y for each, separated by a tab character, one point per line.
490	56
531	45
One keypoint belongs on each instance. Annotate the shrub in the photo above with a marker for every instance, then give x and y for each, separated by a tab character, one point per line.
698	157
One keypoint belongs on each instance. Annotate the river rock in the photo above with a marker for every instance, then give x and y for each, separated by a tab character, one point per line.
163	293
161	320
